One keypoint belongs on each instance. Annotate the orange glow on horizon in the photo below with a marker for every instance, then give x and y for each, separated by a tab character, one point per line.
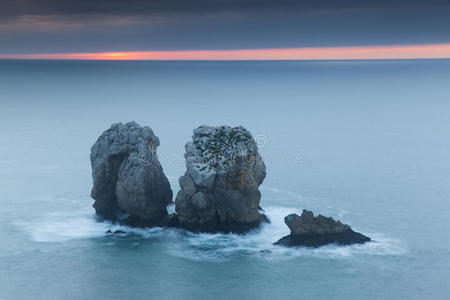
310	53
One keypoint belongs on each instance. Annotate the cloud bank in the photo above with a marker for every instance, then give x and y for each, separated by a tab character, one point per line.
46	26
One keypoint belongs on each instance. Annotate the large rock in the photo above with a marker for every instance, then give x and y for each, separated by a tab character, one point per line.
310	231
129	183
219	191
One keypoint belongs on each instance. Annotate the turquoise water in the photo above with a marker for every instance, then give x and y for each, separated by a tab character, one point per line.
365	142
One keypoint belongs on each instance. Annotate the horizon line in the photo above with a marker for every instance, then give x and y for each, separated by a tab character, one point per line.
424	51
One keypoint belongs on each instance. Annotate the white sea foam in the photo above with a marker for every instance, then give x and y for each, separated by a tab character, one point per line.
62	226
82	224
218	247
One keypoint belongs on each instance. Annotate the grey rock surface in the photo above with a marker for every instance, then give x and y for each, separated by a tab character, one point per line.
308	224
129	183
307	230
220	189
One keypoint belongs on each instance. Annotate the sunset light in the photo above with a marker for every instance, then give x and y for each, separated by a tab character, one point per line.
312	53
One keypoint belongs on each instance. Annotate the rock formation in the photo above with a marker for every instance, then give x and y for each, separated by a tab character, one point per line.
219	191
129	183
310	231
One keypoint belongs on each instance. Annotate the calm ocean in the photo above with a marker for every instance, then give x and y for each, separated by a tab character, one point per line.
366	142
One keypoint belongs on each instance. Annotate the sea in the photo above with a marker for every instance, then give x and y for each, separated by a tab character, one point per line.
365	142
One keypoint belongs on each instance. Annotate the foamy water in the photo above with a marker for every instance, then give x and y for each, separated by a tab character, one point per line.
60	227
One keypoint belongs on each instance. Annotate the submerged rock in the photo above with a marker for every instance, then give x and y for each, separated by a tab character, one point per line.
310	231
115	232
129	183
220	189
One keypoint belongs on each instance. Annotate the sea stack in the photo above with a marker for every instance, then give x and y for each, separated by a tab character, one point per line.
220	189
310	231
129	183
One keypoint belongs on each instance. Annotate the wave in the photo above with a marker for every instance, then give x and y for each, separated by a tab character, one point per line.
259	243
60	227
64	226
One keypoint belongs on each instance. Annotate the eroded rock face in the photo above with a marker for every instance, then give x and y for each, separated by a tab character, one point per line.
219	191
129	183
310	231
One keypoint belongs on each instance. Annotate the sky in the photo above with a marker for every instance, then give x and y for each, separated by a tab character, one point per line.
193	29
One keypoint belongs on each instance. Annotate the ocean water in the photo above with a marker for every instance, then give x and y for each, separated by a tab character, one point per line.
366	142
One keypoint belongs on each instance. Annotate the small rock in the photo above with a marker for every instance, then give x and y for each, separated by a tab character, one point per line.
310	231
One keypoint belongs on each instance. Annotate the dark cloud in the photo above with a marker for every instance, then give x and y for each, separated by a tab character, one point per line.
112	25
16	8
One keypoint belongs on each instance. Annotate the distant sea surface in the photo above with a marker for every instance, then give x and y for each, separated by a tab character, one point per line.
366	142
